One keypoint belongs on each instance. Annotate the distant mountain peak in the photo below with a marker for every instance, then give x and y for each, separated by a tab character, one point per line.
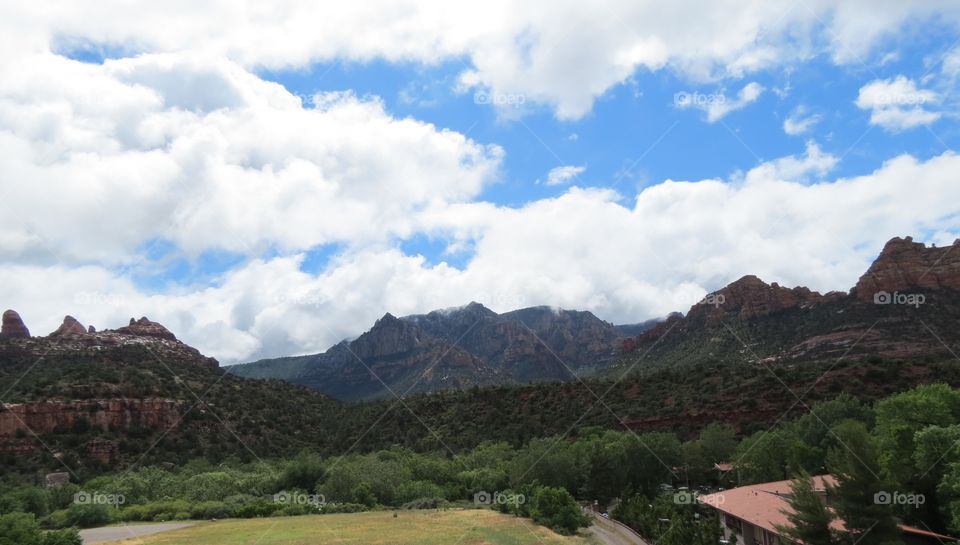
386	319
904	264
453	348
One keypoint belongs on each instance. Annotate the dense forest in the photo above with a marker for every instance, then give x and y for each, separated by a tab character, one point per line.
905	442
224	415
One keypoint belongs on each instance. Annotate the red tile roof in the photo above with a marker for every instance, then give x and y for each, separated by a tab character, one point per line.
760	504
764	504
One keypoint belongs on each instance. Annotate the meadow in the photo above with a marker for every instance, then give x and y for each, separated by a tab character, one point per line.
435	527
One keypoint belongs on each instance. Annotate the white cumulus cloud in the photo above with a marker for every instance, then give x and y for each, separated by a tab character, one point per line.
561	53
898	104
563	174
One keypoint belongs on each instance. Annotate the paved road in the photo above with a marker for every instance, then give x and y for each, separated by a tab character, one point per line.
116	533
612	533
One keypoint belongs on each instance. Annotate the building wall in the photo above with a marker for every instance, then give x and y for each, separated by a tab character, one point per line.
739	532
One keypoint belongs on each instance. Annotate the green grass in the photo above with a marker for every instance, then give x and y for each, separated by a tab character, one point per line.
453	527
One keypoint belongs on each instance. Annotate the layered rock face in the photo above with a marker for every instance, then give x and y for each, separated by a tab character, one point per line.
13	327
49	416
904	265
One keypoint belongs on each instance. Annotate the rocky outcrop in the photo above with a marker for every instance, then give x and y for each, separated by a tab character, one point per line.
49	416
905	265
750	297
12	326
145	328
70	326
150	339
750	320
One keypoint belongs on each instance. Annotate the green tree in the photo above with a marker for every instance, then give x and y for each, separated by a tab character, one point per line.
556	509
604	457
764	457
901	417
808	515
651	459
859	493
22	529
719	442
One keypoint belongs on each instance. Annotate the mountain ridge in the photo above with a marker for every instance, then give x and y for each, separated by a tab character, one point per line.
897	309
746	321
451	348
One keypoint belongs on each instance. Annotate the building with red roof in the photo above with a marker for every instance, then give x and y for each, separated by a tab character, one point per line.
751	515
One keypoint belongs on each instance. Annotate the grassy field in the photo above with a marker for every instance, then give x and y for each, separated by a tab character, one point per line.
453	527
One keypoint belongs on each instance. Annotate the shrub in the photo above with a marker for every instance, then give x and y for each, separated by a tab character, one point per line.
426	503
23	529
211	510
556	509
88	516
332	508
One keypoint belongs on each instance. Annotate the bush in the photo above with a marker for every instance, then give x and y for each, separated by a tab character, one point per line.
332	508
157	511
257	508
426	503
56	519
88	516
211	510
556	509
23	529
61	537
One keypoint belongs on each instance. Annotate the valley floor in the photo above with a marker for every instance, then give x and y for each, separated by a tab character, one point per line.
463	527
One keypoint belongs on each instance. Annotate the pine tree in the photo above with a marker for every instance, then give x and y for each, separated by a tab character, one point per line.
808	515
859	493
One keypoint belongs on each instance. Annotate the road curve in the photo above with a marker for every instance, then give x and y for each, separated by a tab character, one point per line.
116	533
611	532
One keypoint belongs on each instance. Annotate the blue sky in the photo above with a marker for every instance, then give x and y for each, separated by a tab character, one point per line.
179	165
634	137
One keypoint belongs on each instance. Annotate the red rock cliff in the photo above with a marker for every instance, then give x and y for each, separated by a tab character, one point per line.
47	416
904	265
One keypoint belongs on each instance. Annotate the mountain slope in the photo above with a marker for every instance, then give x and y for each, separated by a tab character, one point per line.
452	349
88	400
905	305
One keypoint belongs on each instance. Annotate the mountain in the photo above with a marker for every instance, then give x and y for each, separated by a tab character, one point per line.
90	400
97	400
904	306
72	338
452	349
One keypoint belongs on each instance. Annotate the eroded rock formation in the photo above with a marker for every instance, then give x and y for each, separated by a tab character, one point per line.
13	327
904	265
